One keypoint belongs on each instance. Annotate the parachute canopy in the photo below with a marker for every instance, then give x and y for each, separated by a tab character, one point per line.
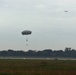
26	32
66	11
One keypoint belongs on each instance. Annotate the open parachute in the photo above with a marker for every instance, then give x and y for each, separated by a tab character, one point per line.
26	32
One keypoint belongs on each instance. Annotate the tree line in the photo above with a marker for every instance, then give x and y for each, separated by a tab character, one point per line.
47	53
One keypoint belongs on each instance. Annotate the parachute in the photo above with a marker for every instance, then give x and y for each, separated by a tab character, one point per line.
26	32
66	11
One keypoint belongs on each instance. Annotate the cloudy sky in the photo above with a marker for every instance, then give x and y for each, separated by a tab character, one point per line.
51	26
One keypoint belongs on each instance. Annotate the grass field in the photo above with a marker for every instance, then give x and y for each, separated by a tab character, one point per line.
37	67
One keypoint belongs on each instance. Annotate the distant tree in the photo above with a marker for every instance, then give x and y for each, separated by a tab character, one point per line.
68	52
67	49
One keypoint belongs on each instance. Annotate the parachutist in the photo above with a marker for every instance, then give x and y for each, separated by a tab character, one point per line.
26	44
26	39
26	32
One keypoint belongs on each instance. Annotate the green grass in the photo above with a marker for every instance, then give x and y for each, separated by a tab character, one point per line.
37	67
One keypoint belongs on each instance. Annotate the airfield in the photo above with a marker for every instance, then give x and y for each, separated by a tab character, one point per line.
38	58
37	66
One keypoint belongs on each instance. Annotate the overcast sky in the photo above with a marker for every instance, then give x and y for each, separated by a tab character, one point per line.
51	26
